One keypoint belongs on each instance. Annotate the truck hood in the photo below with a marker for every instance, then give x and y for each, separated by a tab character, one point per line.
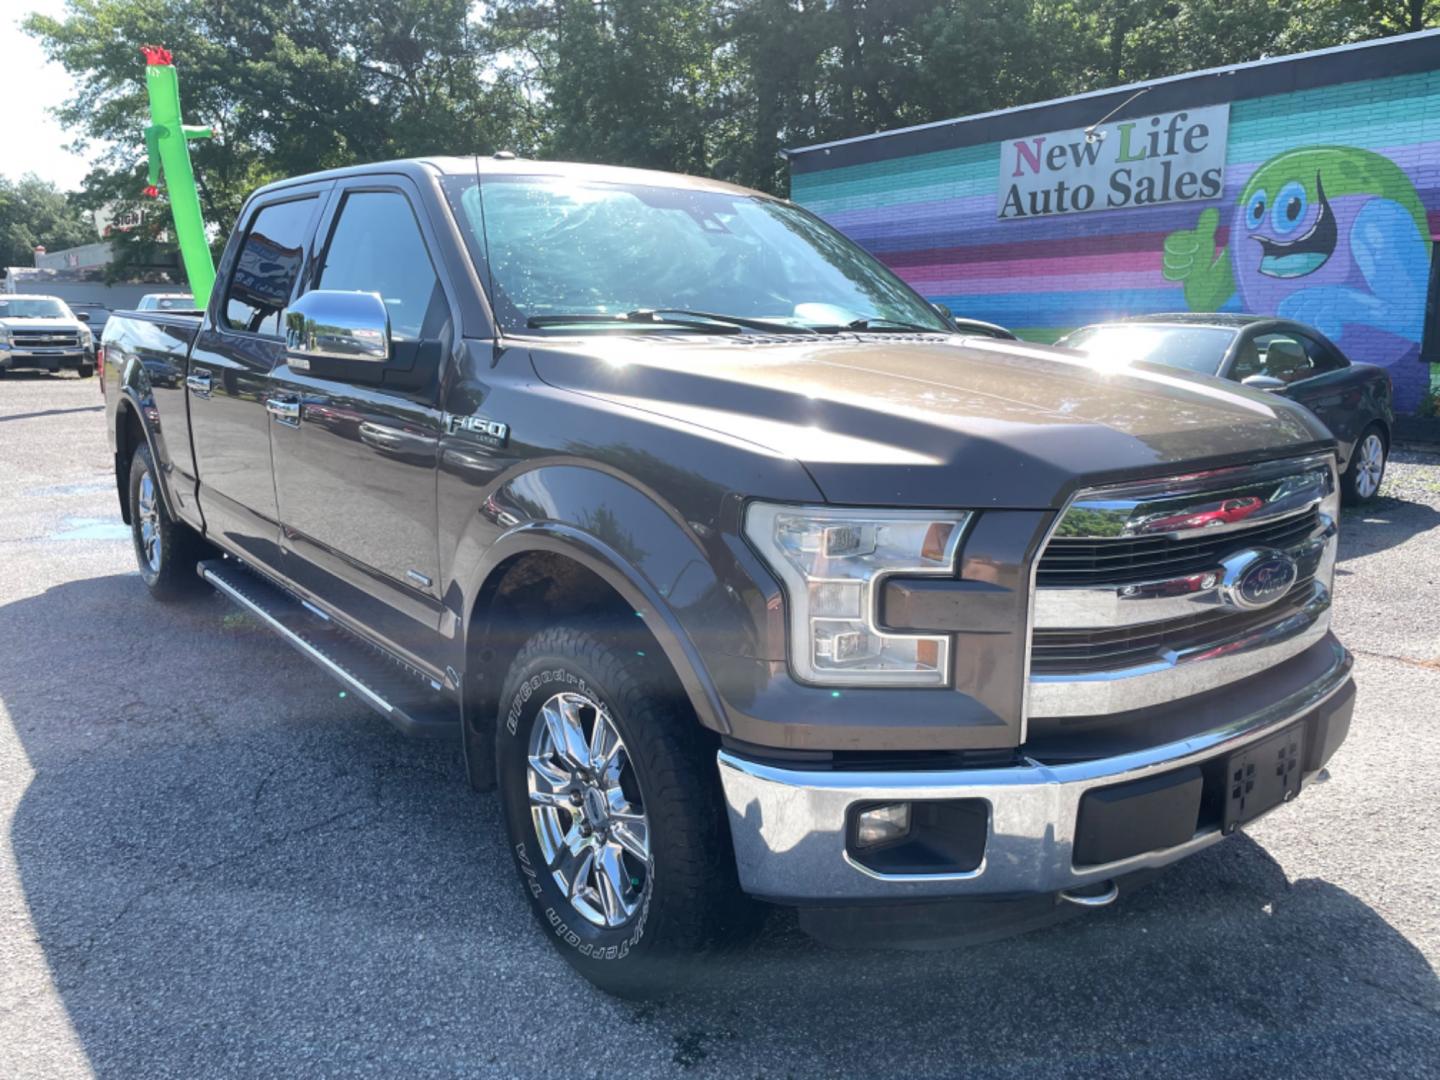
931	421
40	324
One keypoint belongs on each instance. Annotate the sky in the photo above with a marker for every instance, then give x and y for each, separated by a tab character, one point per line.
34	140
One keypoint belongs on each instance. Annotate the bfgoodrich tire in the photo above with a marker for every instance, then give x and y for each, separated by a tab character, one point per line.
615	820
165	550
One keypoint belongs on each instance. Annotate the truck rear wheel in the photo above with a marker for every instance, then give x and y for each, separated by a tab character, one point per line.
165	550
613	807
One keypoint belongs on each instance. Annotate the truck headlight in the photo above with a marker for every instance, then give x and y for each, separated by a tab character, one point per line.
87	337
832	561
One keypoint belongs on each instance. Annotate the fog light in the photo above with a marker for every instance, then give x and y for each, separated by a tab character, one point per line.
881	824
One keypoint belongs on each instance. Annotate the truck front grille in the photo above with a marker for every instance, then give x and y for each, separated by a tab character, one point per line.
1060	652
1153	591
45	338
1090	562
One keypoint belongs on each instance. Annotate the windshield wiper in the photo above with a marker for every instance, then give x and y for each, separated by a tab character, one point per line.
540	322
673	318
733	320
882	324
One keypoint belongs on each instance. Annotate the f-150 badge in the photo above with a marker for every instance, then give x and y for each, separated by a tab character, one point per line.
481	428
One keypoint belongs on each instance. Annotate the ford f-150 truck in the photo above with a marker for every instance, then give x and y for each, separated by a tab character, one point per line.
735	567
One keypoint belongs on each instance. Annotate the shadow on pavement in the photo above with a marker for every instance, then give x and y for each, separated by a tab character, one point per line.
232	870
1391	519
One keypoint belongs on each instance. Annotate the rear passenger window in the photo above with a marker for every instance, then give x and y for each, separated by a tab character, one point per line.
376	246
269	262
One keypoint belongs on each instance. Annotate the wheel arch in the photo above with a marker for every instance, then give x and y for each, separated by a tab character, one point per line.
543	571
131	431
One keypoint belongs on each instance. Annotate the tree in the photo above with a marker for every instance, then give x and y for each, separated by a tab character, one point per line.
718	87
34	212
290	86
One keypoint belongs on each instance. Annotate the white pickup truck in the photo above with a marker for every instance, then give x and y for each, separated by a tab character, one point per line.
41	333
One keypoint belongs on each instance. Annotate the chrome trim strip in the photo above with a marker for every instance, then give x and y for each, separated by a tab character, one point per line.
1030	623
789	825
1174	506
1079	607
1174	675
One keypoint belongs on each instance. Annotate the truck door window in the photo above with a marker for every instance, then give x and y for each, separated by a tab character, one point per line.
376	246
268	264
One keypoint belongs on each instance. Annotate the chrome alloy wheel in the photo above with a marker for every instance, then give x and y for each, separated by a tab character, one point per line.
587	810
148	507
1369	465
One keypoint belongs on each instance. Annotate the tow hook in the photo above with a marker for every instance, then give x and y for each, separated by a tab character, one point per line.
1092	896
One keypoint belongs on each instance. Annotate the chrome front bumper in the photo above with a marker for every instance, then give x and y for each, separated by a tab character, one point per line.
790	825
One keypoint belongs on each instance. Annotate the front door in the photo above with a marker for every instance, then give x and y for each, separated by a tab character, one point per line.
229	373
355	466
1316	375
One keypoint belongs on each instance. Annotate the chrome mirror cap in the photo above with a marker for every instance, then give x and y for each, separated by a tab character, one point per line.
339	326
1263	382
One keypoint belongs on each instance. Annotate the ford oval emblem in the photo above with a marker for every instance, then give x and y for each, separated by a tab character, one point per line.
1258	577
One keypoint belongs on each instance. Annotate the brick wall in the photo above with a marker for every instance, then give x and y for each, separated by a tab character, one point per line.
932	217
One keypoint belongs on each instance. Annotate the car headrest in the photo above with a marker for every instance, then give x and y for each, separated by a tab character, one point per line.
1285	359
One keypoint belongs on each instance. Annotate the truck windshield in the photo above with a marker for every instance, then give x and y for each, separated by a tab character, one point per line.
559	249
32	309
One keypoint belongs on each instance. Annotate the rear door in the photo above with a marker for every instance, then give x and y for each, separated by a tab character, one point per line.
228	376
355	470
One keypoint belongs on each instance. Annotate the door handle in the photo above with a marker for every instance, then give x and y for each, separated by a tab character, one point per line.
284	409
198	382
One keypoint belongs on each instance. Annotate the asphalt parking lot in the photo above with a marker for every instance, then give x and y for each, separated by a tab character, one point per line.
212	864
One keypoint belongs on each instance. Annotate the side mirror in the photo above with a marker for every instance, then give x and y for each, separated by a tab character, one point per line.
329	325
1263	382
83	316
944	312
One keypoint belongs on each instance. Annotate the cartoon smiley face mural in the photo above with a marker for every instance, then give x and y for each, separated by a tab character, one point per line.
1333	236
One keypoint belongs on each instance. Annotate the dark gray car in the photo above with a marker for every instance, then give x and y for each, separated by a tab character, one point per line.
1278	355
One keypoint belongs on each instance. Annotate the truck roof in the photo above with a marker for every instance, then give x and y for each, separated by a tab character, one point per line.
28	296
517	166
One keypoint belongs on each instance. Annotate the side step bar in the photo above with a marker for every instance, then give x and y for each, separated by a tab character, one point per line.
416	706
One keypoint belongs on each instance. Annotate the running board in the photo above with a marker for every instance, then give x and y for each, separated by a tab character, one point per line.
414	704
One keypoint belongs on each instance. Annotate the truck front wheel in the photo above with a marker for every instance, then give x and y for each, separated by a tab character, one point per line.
614	813
165	550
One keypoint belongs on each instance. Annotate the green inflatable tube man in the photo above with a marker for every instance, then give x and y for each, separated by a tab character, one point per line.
167	142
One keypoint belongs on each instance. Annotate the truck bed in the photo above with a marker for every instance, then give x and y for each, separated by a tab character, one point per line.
180	325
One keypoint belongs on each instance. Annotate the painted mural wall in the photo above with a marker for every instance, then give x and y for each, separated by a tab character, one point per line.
1331	198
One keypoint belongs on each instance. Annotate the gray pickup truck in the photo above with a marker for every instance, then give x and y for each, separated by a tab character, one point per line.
41	333
740	572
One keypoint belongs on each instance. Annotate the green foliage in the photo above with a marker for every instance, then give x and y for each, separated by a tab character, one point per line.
34	211
707	86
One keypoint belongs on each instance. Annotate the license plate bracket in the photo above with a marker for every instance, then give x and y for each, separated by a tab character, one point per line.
1262	776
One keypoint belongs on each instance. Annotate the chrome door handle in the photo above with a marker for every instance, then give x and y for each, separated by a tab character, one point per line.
285	410
199	382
